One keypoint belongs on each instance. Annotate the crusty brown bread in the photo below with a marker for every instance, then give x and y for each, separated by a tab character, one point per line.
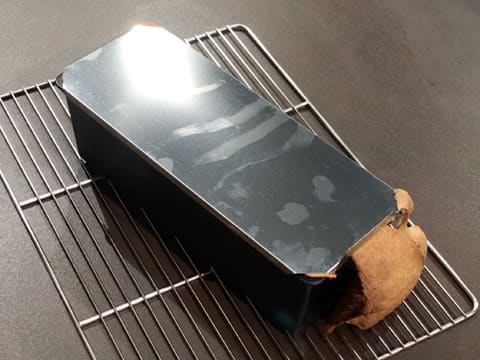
389	263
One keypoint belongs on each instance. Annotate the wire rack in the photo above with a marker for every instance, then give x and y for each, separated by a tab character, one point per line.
128	293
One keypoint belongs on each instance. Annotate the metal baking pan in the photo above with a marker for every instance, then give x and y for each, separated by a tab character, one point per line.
169	127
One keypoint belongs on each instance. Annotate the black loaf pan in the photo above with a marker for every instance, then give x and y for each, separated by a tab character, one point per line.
246	189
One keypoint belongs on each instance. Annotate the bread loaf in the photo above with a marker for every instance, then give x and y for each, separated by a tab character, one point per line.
388	263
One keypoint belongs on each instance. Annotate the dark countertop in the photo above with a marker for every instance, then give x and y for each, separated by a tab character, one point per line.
398	81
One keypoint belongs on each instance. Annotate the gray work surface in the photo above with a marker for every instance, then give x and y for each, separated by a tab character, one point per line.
399	82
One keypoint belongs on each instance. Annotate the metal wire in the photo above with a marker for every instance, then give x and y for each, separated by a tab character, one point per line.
198	322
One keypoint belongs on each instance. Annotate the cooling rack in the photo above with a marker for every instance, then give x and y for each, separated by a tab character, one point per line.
130	293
